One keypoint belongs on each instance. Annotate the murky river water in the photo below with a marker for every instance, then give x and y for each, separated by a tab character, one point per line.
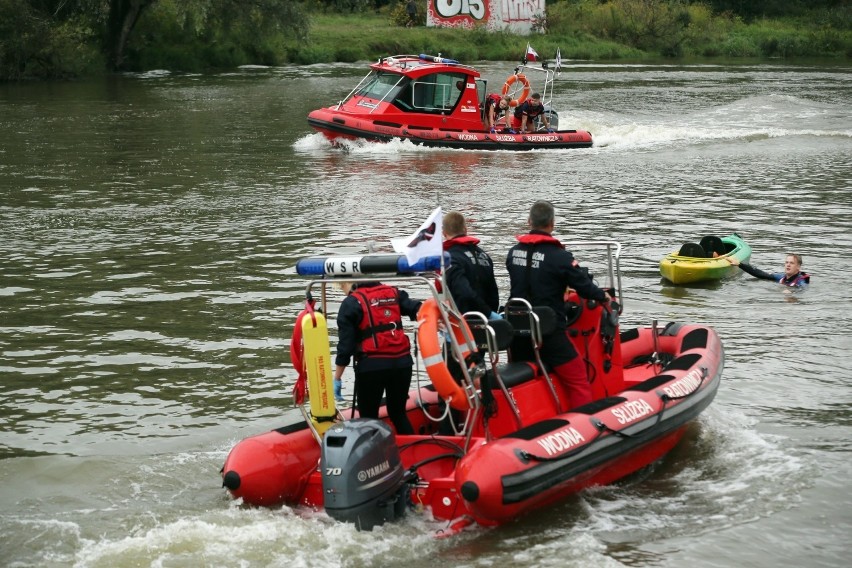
149	225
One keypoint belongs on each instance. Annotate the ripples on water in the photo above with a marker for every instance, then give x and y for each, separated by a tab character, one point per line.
149	232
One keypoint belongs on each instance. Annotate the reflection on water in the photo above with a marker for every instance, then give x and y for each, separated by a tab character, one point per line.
150	227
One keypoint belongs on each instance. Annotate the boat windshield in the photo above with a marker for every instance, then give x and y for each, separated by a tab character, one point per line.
379	85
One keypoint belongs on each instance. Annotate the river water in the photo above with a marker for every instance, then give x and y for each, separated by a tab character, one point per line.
149	227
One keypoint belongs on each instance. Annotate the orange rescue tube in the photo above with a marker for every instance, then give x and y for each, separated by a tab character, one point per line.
431	351
525	92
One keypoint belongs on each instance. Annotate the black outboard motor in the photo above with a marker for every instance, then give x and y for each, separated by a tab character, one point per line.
552	119
362	475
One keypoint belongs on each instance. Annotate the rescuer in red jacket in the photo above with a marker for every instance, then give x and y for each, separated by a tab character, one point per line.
369	325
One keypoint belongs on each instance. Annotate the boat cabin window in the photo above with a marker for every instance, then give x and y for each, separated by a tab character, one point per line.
436	93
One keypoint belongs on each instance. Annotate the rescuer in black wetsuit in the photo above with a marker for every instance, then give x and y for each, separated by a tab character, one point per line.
470	275
541	270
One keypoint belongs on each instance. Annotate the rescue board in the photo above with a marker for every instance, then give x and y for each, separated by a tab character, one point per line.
318	365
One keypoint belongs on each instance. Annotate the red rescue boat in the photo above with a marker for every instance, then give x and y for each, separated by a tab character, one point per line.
438	102
508	448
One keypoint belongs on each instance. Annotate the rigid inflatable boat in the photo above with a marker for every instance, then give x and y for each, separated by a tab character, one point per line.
493	440
438	102
695	262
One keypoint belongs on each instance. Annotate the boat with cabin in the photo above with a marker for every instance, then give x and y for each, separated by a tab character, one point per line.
493	437
439	102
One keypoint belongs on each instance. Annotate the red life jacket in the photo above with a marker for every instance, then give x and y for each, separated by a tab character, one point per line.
493	100
381	327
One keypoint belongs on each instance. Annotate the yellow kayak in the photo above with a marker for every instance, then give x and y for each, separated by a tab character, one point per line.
686	266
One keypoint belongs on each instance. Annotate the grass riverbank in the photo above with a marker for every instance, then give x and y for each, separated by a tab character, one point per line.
357	37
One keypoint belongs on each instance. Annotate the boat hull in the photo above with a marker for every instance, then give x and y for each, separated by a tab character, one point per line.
687	270
338	125
598	443
521	469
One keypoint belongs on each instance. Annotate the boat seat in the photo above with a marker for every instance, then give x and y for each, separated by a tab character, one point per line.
710	244
514	374
692	250
531	324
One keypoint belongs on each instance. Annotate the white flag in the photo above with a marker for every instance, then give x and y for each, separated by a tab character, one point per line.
426	241
558	61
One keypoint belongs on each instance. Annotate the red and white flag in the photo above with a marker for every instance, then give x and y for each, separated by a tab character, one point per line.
532	55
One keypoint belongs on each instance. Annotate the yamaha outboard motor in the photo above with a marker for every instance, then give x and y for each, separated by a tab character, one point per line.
362	475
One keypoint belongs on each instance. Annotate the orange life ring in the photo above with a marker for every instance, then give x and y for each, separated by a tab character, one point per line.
431	351
525	92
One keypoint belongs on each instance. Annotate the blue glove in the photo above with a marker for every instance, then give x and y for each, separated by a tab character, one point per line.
493	130
550	131
494	316
338	390
512	131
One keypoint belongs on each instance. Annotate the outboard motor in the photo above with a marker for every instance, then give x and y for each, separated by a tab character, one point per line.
362	475
552	117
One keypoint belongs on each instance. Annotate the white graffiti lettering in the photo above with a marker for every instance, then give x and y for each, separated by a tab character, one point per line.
521	10
631	410
563	440
450	8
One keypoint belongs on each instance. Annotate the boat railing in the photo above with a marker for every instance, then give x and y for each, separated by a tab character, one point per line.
546	91
612	264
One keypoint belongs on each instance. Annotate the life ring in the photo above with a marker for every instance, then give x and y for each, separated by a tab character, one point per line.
431	351
525	92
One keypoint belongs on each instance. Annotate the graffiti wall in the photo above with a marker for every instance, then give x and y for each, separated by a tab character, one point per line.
513	15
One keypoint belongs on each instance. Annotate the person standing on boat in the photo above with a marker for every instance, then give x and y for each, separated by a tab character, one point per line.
470	275
527	112
369	325
792	275
540	271
497	110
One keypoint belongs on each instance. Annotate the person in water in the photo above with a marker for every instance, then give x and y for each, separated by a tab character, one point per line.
470	275
792	275
540	270
527	112
369	325
495	106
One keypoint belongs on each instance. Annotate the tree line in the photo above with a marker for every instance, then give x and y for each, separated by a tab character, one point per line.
68	38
